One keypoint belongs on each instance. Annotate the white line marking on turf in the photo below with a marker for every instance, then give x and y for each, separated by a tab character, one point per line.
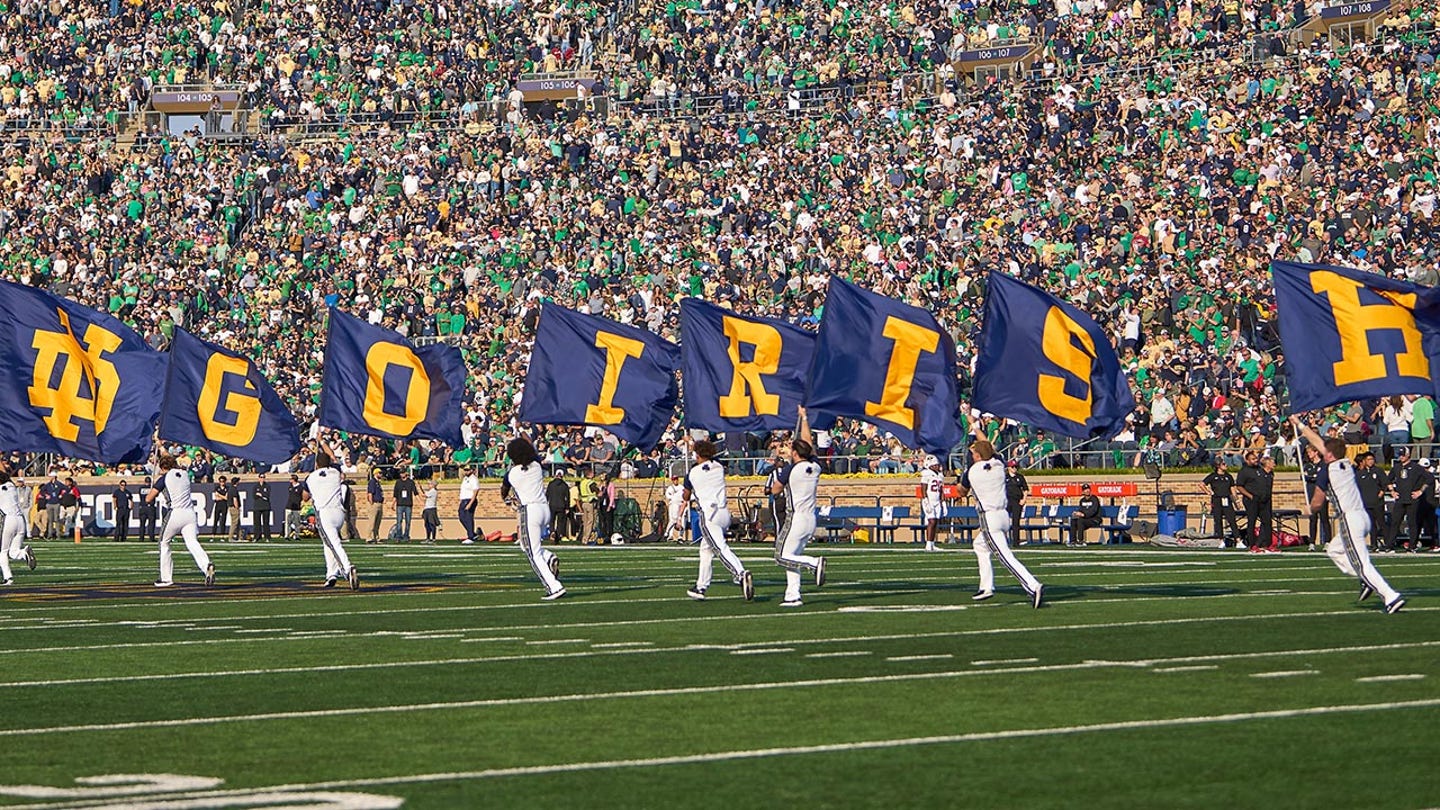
496	638
899	608
935	657
839	654
993	662
763	651
617	645
1387	678
1287	673
559	641
1196	668
645	693
800	750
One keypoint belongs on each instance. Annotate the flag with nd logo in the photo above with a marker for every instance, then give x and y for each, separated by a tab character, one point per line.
1350	335
81	383
377	383
889	364
217	399
586	370
1043	362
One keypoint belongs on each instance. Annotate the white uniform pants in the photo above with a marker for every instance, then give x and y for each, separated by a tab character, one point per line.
181	522
994	526
12	539
534	518
1347	550
337	562
713	523
790	551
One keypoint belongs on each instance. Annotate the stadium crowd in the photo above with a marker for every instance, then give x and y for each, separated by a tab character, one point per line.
1149	189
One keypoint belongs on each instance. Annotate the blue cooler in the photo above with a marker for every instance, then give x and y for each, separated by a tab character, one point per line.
1170	521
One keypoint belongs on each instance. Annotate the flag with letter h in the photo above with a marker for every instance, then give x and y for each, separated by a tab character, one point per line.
586	370
378	384
1350	335
1043	362
889	364
218	400
741	372
84	385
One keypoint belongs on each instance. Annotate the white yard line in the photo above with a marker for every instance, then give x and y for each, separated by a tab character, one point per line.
936	657
839	654
671	692
1416	676
218	796
1196	668
1285	673
992	663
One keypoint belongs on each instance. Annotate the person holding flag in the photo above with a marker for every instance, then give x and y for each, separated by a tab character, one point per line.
986	478
799	482
705	487
524	485
175	484
326	488
1347	547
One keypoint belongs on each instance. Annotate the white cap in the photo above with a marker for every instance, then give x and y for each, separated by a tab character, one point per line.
931	461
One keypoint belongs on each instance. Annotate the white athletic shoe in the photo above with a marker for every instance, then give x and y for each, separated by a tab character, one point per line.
353	576
791	603
931	547
555	567
747	586
330	582
160	583
1240	545
1037	597
1395	605
29	557
467	542
1366	592
820	573
551	597
981	596
210	575
698	594
8	582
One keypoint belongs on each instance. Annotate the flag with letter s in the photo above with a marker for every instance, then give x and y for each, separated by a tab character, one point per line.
1351	335
742	372
886	363
1043	362
586	370
218	400
379	384
82	384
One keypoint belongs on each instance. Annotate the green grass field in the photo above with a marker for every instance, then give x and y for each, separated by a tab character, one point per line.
1151	679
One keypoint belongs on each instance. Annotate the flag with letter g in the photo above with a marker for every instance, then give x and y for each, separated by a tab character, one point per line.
1043	362
378	384
82	384
586	370
889	364
1350	335
218	400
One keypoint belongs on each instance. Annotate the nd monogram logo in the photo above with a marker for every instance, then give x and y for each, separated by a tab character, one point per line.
73	380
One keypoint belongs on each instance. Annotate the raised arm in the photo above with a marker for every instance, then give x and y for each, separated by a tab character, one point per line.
803	433
325	448
1310	436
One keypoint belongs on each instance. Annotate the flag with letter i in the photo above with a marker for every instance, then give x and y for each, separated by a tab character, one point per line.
379	384
1350	335
218	400
889	364
586	370
1043	362
742	372
82	384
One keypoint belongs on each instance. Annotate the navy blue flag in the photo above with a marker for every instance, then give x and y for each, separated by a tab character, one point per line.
1043	362
586	370
742	372
1350	335
82	384
889	364
378	384
216	399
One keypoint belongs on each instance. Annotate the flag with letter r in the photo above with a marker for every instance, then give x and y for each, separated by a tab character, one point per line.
218	400
1350	335
378	384
1043	362
741	372
82	384
586	370
886	363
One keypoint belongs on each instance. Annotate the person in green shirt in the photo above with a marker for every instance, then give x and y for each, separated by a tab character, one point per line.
1422	424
